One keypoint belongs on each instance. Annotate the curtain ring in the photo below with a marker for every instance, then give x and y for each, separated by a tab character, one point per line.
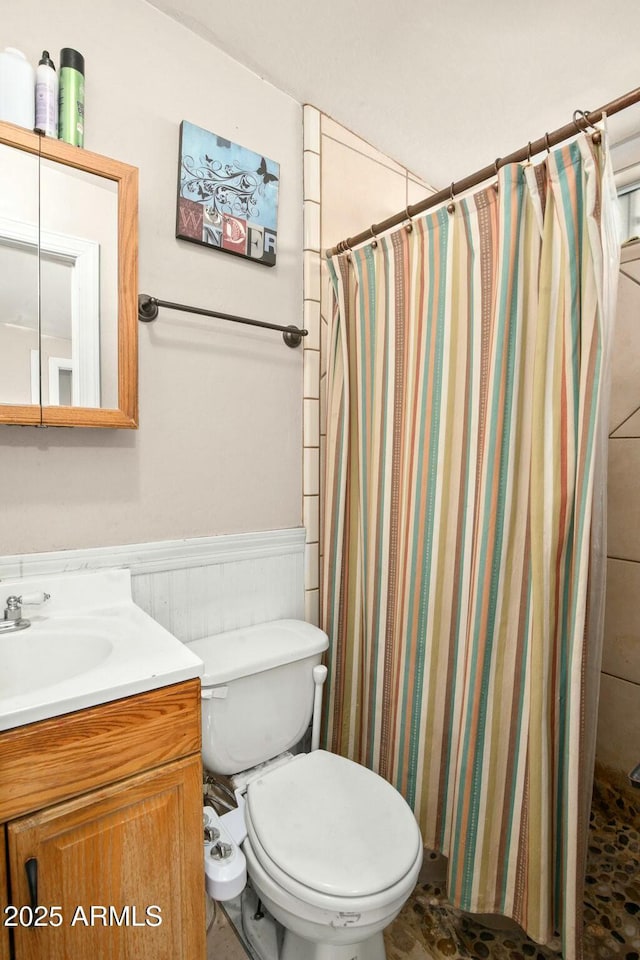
529	151
546	142
585	116
451	205
587	123
527	162
409	226
596	136
374	242
496	185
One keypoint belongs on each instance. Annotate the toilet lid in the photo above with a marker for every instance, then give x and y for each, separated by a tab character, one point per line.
333	825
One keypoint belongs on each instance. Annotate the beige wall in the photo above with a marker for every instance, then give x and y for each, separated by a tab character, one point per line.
220	438
348	185
618	742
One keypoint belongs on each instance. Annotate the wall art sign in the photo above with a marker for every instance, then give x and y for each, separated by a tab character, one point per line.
227	196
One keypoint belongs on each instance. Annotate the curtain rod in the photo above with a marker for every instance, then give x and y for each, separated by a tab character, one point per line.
589	117
148	311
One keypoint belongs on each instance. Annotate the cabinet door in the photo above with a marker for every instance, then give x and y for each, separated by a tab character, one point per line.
68	284
124	867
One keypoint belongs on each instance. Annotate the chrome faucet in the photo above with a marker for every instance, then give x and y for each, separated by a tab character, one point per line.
13	619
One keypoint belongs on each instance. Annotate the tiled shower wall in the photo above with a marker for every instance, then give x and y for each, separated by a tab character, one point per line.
618	744
348	185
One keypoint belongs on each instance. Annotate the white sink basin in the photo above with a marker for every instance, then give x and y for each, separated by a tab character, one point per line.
33	658
87	645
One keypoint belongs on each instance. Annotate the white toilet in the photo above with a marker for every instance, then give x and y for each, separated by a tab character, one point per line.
332	850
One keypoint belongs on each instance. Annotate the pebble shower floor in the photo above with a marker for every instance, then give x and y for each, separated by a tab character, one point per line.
428	928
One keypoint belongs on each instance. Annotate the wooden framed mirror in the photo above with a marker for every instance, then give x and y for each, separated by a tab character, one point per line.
68	284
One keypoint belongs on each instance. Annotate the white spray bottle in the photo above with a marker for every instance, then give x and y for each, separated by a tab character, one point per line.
47	96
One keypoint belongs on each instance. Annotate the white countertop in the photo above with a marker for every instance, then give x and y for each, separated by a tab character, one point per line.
89	644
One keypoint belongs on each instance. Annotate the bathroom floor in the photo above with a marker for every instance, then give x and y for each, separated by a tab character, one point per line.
428	928
223	942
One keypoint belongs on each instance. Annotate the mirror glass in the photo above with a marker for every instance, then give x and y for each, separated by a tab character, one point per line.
19	320
58	283
78	287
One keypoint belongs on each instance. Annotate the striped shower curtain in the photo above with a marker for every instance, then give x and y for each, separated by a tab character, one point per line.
465	386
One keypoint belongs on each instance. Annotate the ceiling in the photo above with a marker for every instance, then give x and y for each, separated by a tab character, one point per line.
442	86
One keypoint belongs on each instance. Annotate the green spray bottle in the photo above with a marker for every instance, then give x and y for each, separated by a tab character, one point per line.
71	97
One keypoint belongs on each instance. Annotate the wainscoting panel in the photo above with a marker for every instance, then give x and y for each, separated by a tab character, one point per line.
199	586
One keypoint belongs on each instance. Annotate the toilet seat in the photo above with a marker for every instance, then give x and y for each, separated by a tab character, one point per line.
329	830
284	888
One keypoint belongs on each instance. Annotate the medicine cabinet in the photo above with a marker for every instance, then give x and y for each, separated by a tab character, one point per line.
68	284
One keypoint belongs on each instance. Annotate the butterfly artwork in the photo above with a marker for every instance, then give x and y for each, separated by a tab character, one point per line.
227	196
264	173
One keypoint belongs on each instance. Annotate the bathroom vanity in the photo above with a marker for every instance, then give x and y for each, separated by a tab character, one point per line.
107	802
100	776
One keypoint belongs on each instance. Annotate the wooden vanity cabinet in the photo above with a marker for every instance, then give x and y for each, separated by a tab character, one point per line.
121	863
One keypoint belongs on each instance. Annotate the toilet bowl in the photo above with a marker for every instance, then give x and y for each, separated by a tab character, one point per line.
331	848
334	852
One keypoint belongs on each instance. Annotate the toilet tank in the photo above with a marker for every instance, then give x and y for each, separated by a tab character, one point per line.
257	691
